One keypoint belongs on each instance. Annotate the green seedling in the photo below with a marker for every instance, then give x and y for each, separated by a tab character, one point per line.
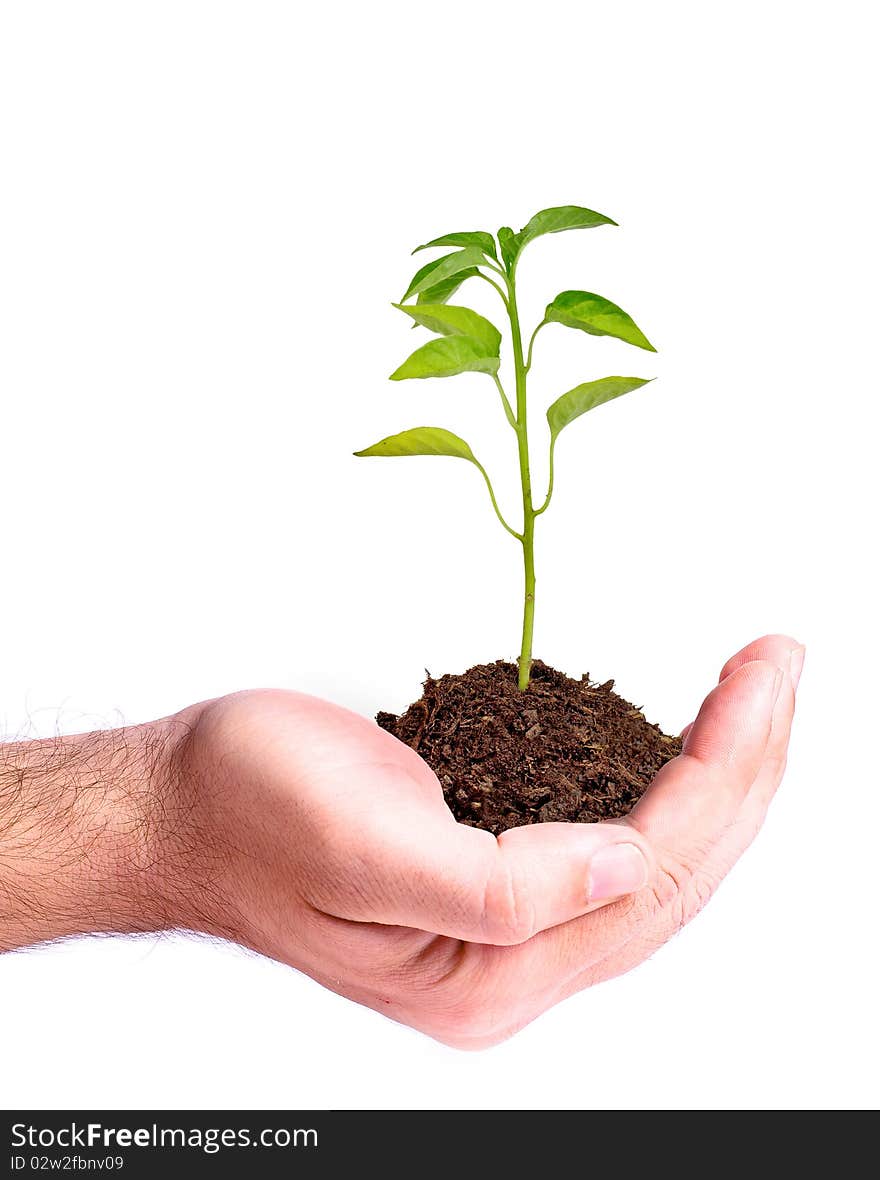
467	342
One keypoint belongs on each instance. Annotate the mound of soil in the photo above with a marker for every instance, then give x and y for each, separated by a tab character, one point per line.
563	750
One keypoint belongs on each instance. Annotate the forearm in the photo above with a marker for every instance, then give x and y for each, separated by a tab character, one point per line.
87	833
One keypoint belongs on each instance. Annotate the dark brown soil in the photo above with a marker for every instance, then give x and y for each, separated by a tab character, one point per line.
563	750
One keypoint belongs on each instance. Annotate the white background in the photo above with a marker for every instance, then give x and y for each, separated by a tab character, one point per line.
206	209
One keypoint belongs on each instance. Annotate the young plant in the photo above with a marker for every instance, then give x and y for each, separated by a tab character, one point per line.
467	342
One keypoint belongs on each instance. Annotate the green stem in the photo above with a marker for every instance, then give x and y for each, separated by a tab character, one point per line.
508	412
528	533
547	498
492	283
485	474
532	344
525	653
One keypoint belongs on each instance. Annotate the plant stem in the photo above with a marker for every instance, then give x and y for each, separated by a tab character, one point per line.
492	283
508	412
532	344
549	495
525	654
528	533
504	523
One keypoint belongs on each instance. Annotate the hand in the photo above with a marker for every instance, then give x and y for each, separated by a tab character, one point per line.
311	835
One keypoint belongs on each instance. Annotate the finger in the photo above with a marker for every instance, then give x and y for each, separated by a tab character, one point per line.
607	947
773	767
739	748
781	650
427	871
416	867
789	655
697	794
737	735
733	841
413	865
660	912
778	649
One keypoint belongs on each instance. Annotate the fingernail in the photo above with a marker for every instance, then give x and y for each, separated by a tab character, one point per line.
616	870
796	663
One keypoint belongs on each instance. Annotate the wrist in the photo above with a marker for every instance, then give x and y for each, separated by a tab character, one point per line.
88	833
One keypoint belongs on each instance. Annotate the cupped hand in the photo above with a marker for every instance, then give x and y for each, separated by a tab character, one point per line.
315	837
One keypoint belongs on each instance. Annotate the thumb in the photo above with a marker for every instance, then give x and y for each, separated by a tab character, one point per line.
421	869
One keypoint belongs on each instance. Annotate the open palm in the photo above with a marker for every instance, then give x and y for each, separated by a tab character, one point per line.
333	851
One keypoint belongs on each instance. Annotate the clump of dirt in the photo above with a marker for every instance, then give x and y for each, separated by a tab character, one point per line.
563	750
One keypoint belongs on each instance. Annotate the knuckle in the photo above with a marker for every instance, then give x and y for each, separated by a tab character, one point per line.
664	890
680	893
702	887
694	894
509	916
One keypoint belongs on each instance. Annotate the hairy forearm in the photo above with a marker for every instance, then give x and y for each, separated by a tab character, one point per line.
89	833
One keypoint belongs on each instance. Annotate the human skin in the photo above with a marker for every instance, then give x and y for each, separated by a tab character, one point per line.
306	833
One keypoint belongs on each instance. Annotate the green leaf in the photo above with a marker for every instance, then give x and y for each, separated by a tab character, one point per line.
509	245
445	290
447	357
443	268
598	316
548	221
479	238
448	320
559	218
422	440
586	397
